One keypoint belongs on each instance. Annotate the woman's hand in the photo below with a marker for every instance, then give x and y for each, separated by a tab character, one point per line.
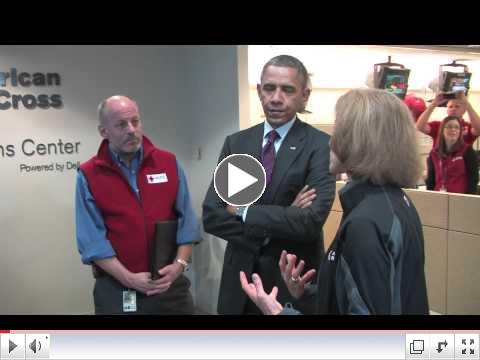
291	274
267	303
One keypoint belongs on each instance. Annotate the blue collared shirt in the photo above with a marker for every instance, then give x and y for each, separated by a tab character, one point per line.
282	131
90	228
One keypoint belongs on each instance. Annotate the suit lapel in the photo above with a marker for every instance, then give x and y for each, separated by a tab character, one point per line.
291	148
253	142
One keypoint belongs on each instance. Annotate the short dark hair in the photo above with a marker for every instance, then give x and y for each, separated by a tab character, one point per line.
288	61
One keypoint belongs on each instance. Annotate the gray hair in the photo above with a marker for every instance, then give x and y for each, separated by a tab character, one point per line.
375	138
102	107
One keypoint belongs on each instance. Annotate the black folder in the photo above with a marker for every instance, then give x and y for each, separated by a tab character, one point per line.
164	246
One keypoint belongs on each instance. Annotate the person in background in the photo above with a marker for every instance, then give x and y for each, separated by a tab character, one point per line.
121	193
452	165
416	105
375	264
455	107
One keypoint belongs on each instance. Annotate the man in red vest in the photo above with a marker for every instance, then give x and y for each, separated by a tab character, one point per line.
122	192
455	107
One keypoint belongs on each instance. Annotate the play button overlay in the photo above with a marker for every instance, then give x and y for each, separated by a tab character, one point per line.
239	179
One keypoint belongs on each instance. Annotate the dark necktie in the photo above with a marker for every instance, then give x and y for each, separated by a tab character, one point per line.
268	154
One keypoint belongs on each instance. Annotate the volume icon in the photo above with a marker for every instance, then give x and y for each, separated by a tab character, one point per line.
35	346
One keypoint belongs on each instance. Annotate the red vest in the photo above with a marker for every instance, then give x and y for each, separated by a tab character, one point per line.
130	222
451	171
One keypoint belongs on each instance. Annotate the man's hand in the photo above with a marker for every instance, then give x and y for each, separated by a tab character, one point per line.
291	274
461	98
143	282
169	274
267	303
472	114
439	99
304	198
231	209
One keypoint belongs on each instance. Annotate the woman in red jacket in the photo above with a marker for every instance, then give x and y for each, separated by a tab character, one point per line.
452	164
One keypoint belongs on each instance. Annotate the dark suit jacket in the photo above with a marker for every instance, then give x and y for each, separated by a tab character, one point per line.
302	159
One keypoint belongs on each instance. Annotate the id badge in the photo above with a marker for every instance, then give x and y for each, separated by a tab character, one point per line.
129	301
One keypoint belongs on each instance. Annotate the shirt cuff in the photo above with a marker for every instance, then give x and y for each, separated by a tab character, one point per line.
244	215
289	310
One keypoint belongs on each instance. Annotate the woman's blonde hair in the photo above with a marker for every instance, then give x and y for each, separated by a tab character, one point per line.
375	138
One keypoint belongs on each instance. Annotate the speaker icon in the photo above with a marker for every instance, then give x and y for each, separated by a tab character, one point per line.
35	346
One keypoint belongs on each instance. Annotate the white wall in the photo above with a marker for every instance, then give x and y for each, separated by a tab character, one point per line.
214	107
187	95
337	68
212	90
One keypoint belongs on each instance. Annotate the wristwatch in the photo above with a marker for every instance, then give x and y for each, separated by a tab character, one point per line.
183	263
239	212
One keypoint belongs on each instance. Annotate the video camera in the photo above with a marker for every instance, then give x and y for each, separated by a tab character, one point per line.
450	83
392	77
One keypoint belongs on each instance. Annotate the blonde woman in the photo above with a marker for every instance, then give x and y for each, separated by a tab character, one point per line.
375	264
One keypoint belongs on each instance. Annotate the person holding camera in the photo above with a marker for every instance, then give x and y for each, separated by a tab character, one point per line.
457	107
